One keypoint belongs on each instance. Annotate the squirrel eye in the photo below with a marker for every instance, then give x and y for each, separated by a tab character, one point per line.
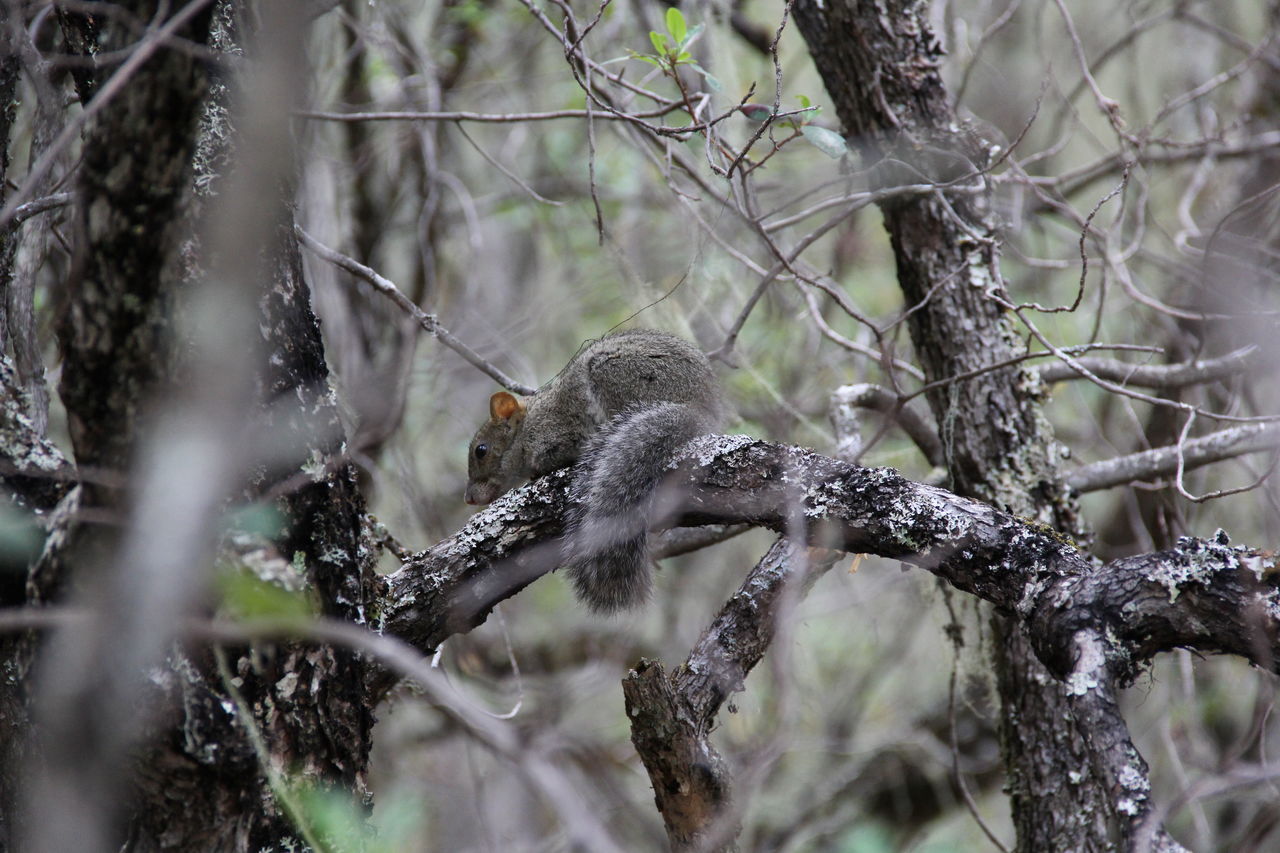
481	450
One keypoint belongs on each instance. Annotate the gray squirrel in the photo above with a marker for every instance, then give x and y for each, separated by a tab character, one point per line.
619	409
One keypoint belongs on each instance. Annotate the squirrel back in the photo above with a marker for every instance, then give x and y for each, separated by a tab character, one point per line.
619	409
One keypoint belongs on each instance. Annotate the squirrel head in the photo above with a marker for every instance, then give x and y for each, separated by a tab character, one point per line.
491	469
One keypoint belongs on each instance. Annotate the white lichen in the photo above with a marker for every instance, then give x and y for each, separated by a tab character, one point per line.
707	448
1091	658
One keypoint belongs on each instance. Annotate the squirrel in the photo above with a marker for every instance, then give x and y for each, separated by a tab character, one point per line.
618	410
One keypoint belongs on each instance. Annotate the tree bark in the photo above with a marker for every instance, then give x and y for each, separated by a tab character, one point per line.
1201	594
235	738
879	62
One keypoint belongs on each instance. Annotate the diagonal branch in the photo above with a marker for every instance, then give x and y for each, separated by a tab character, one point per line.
428	321
672	716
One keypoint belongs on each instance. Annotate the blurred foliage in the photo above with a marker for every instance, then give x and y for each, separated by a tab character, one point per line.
246	595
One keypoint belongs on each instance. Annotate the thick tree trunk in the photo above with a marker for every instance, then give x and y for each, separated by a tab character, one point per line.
132	180
239	736
879	62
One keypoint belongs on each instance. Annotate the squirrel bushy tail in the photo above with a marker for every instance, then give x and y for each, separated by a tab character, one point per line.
607	553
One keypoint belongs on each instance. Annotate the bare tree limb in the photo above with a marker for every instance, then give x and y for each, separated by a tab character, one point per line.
672	716
23	212
1202	595
1163	461
1165	376
428	321
485	118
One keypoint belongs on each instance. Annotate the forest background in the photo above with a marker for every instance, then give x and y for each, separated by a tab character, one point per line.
1104	180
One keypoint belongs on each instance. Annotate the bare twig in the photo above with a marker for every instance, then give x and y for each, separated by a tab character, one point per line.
23	212
487	118
1164	461
1164	376
428	321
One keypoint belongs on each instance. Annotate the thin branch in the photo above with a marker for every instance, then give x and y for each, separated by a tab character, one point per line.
428	321
23	212
1165	461
1075	180
1164	376
104	95
489	118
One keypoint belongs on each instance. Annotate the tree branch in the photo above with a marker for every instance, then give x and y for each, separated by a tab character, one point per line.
1163	461
1201	595
881	400
428	321
672	716
1166	376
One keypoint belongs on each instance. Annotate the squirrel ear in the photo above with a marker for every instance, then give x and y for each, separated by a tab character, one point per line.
503	406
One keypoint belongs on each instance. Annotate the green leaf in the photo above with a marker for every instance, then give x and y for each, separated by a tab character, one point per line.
712	83
644	57
334	817
805	103
659	42
247	596
676	25
757	112
827	141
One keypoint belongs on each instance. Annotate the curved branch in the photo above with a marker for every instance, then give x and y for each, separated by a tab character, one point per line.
884	401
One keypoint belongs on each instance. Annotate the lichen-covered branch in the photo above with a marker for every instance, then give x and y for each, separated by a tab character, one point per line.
1091	625
1203	594
1163	461
672	716
1164	376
